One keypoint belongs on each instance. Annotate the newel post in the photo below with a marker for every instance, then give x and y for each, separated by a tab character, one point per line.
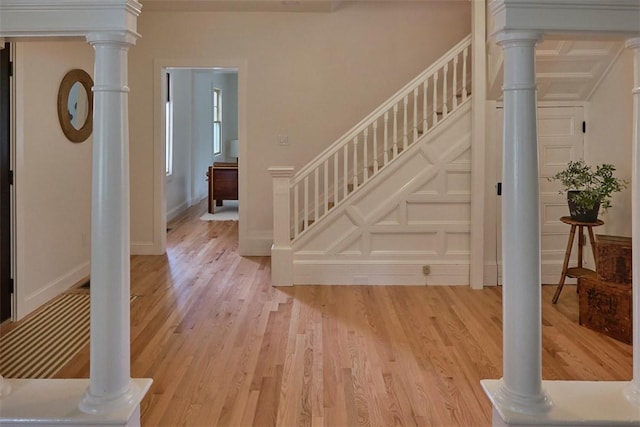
281	251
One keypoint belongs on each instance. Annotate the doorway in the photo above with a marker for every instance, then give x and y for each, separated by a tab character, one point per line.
6	283
201	127
560	140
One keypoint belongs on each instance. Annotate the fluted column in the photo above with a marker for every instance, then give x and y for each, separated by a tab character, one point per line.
521	386
633	392
110	385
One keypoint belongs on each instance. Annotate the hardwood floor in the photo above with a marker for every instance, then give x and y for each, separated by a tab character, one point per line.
226	349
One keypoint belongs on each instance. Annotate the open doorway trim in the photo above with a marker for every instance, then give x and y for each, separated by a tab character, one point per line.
159	244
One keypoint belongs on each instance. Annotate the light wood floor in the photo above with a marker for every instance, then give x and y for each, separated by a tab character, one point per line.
226	349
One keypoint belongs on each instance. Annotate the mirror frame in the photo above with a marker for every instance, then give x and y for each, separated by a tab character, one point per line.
72	77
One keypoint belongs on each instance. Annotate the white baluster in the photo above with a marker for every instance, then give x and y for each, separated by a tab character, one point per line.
296	210
435	99
405	136
345	170
445	101
305	209
336	197
395	131
316	190
365	156
375	146
455	82
464	74
325	190
385	141
425	125
355	163
415	114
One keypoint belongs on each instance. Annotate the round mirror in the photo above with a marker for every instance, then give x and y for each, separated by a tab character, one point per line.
75	105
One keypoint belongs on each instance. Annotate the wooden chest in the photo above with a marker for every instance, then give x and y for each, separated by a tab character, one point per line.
606	307
613	259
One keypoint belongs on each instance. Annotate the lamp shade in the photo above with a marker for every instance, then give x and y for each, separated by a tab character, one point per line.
233	148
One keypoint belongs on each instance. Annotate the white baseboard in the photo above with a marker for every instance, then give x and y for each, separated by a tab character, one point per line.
256	244
378	273
176	211
145	248
51	290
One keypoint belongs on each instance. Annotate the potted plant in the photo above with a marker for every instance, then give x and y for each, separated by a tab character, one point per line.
588	190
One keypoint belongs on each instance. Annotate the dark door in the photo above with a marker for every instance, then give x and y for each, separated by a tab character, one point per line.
6	284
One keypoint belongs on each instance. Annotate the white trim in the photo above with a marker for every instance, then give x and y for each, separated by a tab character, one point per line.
52	289
13	193
159	240
173	213
55	18
588	17
371	272
256	243
478	141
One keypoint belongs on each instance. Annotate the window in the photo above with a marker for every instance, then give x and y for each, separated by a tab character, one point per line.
217	121
168	111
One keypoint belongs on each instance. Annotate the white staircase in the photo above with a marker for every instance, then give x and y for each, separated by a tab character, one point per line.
389	197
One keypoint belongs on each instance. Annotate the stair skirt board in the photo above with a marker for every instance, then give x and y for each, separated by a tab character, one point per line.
372	273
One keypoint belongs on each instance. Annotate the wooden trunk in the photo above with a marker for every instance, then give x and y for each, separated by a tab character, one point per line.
606	307
613	259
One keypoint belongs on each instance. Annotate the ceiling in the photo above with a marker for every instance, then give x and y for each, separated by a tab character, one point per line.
566	70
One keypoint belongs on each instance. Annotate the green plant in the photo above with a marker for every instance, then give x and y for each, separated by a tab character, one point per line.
594	186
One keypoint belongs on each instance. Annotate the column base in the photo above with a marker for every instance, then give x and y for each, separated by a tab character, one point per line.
575	403
512	402
100	405
55	403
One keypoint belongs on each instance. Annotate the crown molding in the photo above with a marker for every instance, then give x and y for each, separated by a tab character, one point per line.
615	18
64	18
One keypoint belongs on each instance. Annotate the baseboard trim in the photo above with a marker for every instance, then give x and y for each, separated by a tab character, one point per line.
51	290
145	248
378	273
256	244
175	212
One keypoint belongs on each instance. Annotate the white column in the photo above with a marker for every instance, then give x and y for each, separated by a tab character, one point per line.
521	385
633	392
110	385
281	252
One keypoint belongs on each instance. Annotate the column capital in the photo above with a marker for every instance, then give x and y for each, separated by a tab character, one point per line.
514	38
123	38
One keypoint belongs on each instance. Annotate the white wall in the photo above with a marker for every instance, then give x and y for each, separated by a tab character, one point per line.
609	137
53	177
311	76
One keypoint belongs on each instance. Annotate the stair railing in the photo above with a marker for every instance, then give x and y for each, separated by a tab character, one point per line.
372	144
